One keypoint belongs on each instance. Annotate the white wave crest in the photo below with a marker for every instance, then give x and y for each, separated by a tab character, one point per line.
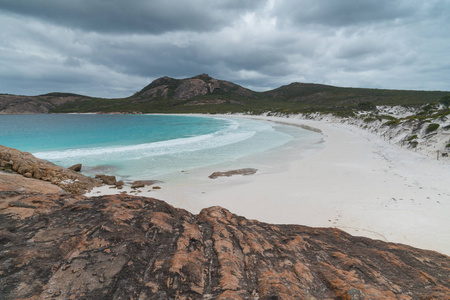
221	138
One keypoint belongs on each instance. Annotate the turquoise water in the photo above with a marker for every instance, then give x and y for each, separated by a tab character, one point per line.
143	146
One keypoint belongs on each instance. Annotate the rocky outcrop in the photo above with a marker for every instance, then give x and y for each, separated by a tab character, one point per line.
24	163
190	88
76	168
12	104
126	247
159	91
197	86
141	183
106	179
19	183
245	172
110	180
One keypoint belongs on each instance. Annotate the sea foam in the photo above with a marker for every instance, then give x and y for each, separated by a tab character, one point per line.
220	138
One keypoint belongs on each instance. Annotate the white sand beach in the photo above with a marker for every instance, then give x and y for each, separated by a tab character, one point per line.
357	182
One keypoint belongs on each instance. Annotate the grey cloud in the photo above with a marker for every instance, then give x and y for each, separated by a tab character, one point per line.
344	12
123	16
359	50
72	62
111	48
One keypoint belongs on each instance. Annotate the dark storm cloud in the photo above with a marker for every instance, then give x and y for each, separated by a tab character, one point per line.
114	48
344	12
122	16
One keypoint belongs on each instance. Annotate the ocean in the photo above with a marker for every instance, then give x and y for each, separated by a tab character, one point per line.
135	147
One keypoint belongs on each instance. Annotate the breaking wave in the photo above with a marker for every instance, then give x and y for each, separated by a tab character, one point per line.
229	135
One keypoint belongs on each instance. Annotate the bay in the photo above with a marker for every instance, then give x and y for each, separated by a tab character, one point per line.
144	146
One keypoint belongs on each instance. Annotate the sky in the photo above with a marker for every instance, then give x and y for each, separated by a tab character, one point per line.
113	48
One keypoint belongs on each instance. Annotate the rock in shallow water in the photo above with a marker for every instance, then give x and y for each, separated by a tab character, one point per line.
142	183
245	171
107	179
131	247
76	168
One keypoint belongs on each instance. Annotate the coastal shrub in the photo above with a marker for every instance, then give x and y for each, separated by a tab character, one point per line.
427	107
344	113
420	116
442	114
413	137
447	146
432	127
414	144
447	127
369	120
387	117
445	100
366	106
393	122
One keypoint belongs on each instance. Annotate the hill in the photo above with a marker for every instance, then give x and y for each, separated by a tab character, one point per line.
13	104
310	96
204	94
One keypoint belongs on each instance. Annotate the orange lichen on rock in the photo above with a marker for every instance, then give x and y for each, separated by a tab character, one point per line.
229	295
159	220
188	261
122	216
344	283
230	264
128	247
284	285
24	206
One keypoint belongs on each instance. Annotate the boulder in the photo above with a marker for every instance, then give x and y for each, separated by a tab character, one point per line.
245	172
37	173
107	179
76	168
142	183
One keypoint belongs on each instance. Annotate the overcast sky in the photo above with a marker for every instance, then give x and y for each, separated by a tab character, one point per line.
113	48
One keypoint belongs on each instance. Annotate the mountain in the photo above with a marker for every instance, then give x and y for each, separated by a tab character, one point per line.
186	89
204	94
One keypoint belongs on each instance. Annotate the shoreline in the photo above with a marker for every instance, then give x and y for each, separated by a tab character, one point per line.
357	182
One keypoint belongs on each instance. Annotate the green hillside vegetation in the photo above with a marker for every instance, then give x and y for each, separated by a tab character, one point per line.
229	97
58	94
